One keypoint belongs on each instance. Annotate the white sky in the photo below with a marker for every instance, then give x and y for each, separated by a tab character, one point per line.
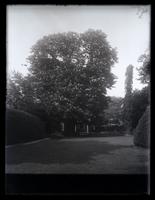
124	29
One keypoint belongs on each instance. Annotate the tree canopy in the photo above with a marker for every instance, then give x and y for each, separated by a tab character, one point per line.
144	70
70	72
20	92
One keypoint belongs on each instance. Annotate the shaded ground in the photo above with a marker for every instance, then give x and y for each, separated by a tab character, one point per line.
80	155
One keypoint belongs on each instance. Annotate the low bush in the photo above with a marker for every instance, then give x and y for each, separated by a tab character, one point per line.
57	135
23	127
142	131
109	127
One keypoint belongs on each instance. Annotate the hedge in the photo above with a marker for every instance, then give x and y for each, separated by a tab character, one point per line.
142	131
23	127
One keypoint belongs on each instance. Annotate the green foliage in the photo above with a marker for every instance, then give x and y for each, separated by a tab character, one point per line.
20	92
128	81
142	10
114	110
70	73
144	70
142	132
127	107
23	127
14	95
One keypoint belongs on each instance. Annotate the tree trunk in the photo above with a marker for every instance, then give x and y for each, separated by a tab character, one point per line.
87	128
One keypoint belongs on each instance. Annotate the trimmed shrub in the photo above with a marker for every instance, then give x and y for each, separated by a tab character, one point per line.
142	131
57	135
23	127
38	111
140	101
110	127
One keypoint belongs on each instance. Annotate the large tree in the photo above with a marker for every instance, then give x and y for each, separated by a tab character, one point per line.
69	74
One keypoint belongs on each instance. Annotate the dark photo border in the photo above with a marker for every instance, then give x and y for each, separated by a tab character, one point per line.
110	185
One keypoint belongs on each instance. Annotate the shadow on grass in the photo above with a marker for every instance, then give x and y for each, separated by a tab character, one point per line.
57	151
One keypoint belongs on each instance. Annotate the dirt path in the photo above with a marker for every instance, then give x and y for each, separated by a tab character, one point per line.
100	155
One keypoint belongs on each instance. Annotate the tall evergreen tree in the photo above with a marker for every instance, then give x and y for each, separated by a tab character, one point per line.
128	98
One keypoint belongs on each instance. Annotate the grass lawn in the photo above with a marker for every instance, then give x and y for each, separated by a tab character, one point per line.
98	155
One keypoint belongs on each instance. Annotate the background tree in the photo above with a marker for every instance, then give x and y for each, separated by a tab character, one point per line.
128	98
144	69
141	98
114	110
21	96
141	10
141	104
14	90
70	74
20	93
